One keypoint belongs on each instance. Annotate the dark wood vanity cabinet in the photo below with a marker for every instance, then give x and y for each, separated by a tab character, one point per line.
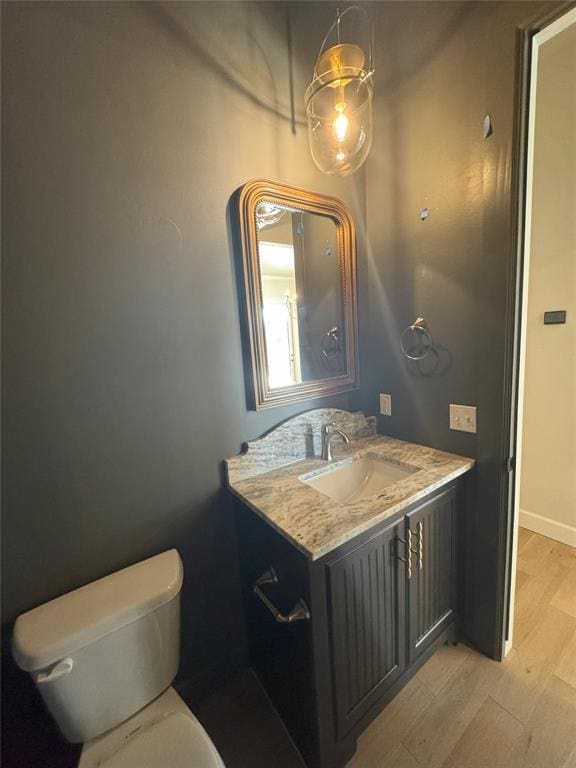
366	591
432	589
377	611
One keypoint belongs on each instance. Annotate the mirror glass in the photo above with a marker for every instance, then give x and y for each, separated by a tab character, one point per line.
301	295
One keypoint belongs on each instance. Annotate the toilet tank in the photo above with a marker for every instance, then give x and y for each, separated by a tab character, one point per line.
102	652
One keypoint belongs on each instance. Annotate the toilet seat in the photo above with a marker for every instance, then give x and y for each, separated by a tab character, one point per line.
174	741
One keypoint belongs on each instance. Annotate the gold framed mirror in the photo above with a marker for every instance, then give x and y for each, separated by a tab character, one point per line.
298	253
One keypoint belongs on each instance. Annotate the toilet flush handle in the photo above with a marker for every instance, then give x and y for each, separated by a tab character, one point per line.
62	667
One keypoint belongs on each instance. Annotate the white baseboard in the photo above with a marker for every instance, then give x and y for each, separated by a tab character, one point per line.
547	527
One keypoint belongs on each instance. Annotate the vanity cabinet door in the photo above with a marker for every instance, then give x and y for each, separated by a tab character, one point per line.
432	573
366	605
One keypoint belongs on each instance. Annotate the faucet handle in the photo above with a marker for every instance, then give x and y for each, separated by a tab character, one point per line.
326	427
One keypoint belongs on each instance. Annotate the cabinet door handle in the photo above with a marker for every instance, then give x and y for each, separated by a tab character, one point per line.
420	545
300	612
408	558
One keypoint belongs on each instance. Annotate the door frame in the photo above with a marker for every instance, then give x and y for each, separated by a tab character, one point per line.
531	38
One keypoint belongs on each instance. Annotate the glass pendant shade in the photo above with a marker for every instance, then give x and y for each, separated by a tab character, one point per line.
268	214
339	108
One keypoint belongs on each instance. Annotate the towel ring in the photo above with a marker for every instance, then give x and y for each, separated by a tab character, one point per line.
422	344
330	343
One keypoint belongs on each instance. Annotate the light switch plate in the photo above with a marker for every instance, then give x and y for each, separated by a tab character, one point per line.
386	405
463	418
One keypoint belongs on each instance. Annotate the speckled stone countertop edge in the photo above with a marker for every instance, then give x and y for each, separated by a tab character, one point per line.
315	524
373	522
273	524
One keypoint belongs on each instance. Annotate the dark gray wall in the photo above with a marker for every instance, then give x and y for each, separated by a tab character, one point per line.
441	67
126	128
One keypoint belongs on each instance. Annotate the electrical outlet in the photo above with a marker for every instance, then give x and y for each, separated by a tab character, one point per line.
386	405
463	418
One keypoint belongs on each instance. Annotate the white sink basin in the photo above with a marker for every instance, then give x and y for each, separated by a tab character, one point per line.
358	478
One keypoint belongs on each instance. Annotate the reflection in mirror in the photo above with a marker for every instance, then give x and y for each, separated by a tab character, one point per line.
299	293
279	307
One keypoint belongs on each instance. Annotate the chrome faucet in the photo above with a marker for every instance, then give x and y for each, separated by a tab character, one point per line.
328	432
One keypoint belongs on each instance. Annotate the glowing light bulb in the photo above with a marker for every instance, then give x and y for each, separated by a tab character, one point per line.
341	123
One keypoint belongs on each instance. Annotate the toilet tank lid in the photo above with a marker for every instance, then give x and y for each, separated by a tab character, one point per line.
61	627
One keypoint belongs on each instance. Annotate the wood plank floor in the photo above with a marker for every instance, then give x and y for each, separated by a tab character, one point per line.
245	727
463	710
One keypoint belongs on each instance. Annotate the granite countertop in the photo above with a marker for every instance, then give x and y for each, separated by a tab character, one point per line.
313	522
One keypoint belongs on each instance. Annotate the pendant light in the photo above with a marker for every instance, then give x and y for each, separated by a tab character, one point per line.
339	102
268	214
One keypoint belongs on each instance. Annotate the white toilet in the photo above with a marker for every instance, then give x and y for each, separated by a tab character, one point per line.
104	657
